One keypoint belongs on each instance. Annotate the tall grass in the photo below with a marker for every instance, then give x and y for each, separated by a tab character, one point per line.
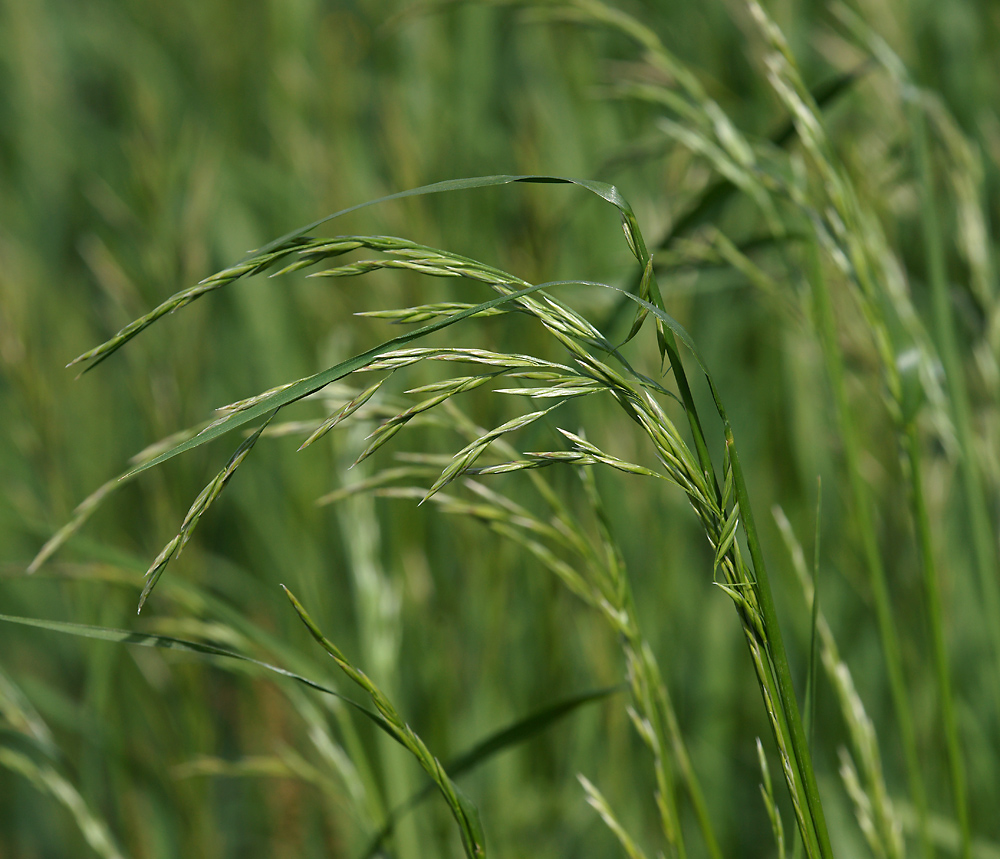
560	402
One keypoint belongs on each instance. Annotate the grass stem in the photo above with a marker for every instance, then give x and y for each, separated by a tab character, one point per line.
833	357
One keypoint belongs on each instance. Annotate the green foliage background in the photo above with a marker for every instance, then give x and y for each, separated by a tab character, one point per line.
145	146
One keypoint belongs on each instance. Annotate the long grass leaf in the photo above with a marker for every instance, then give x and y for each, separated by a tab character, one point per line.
166	642
602	189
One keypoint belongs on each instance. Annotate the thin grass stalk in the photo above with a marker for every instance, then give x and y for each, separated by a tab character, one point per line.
982	533
767	793
596	800
881	827
918	104
651	721
779	659
971	480
705	107
860	246
376	603
823	310
932	597
760	619
773	638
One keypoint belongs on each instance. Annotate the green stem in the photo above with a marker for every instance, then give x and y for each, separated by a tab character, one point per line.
777	654
975	497
932	591
669	343
972	484
876	574
774	643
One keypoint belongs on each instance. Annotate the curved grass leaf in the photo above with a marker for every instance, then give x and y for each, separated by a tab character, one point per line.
602	189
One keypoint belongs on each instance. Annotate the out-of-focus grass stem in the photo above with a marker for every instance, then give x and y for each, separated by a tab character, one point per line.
971	479
944	328
932	596
823	309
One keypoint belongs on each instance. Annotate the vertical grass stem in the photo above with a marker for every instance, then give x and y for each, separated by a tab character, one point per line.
862	509
982	532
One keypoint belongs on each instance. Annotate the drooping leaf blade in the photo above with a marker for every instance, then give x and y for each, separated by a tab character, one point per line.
166	642
602	189
259	260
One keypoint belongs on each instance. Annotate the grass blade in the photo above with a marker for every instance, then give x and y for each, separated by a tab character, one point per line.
166	642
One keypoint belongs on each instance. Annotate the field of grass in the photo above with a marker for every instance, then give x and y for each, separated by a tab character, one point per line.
654	513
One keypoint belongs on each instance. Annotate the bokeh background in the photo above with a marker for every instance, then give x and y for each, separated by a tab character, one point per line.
144	146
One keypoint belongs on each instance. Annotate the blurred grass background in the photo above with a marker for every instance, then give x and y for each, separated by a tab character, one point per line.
144	147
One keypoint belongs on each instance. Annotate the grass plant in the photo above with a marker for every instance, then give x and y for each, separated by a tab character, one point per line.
818	247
